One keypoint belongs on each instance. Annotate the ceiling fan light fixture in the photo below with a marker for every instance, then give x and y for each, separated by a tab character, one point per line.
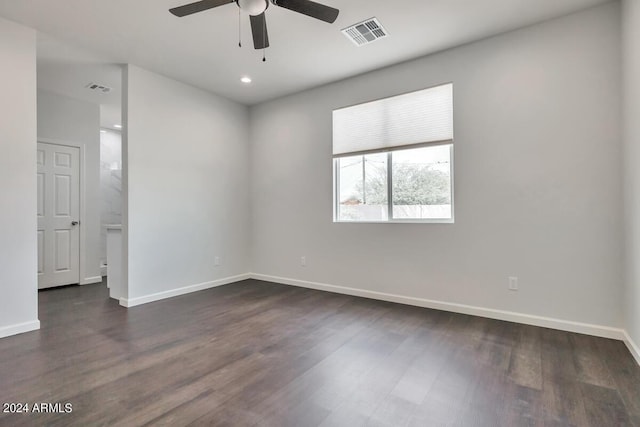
253	7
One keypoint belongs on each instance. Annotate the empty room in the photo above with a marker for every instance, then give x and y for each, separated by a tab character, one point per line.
320	213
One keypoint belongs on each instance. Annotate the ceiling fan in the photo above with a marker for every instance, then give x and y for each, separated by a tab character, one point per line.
256	10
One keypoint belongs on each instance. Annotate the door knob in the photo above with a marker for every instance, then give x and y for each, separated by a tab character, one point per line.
74	223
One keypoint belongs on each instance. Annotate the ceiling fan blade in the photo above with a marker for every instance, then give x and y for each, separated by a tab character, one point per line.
310	8
259	31
198	6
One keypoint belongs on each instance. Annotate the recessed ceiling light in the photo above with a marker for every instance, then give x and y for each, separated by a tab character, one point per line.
103	131
246	80
117	126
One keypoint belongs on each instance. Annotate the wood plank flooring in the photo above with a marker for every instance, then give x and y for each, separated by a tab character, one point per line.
262	354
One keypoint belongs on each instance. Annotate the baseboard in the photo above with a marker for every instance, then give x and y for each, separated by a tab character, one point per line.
633	347
20	328
527	319
132	302
91	280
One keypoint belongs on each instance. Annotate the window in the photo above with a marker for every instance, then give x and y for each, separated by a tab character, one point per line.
393	159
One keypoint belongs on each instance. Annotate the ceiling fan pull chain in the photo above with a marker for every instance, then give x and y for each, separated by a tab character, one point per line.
239	28
264	37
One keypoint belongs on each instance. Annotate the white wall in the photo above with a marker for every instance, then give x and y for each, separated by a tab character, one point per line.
631	52
110	185
186	185
18	260
77	123
537	179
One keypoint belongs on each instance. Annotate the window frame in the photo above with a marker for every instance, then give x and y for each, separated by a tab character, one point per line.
390	218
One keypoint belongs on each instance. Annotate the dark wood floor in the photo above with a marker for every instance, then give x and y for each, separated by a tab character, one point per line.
256	353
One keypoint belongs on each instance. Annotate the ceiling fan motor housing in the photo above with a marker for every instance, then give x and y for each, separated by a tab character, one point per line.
253	7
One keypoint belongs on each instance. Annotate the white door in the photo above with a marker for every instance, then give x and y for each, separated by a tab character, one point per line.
58	215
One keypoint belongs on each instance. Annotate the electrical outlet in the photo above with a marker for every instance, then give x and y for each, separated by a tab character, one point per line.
513	283
303	261
216	261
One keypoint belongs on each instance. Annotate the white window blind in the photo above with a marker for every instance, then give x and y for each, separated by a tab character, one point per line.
421	117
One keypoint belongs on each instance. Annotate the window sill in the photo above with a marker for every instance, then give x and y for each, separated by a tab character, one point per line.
399	221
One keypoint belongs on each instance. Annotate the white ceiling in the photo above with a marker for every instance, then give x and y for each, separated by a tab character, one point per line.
67	70
203	50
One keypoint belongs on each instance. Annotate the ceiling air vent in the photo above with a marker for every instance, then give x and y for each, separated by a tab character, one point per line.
99	88
365	32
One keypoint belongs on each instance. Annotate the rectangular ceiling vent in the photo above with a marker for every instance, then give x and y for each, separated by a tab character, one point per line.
365	32
99	88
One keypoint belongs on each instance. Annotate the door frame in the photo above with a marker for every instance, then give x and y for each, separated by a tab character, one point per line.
83	216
